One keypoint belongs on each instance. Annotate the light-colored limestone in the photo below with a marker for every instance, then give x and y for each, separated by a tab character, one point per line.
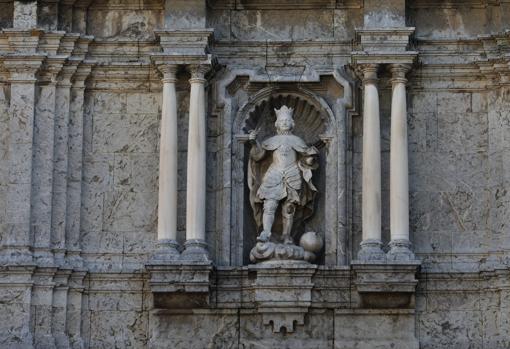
167	206
371	197
263	53
399	173
195	247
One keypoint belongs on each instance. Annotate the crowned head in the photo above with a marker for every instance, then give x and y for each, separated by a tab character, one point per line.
284	121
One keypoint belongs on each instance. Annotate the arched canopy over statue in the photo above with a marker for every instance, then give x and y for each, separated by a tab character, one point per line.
280	178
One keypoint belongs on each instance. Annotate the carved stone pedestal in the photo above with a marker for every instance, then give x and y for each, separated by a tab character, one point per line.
180	286
386	285
283	292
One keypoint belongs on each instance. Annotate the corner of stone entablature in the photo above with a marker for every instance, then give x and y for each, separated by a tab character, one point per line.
185	41
384	39
494	60
386	284
179	284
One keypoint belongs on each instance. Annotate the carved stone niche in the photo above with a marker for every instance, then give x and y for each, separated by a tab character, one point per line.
318	122
283	289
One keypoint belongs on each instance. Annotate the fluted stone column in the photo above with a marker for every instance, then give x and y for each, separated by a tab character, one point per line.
399	177
195	246
167	209
371	191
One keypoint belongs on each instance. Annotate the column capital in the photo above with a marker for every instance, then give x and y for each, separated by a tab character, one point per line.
82	73
169	71
368	73
398	72
66	74
50	69
23	68
198	72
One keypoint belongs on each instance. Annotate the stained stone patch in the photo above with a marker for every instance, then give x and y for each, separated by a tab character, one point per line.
80	172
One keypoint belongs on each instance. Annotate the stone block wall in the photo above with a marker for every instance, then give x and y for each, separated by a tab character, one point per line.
79	162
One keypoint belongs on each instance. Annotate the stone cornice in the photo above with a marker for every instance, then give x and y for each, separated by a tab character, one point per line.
284	5
381	57
68	43
185	42
106	50
181	59
49	42
384	39
81	47
124	76
494	62
440	4
22	40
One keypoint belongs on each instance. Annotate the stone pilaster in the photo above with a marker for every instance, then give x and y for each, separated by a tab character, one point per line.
16	290
42	179
75	163
80	16
65	15
42	307
60	160
74	309
59	312
17	234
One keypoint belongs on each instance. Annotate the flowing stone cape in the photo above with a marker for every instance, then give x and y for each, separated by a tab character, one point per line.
258	165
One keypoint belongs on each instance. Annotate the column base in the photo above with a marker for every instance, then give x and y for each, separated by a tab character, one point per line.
400	250
195	251
371	250
167	251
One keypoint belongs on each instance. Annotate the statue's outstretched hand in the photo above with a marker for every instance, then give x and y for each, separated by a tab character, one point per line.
252	136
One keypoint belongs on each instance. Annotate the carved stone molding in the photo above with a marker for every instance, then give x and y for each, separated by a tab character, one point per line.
180	286
386	285
283	293
185	42
384	39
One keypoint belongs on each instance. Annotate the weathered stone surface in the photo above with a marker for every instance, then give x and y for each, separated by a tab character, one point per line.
79	166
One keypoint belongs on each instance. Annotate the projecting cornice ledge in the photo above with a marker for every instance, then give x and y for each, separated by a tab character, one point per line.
386	285
189	42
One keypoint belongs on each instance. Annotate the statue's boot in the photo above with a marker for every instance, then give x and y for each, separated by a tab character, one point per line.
264	236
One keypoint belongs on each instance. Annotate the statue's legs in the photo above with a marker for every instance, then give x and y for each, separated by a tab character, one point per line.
288	211
268	219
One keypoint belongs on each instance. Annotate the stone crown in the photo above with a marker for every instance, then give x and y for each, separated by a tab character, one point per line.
283	112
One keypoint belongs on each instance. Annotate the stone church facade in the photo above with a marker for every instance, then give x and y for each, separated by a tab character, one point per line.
127	217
